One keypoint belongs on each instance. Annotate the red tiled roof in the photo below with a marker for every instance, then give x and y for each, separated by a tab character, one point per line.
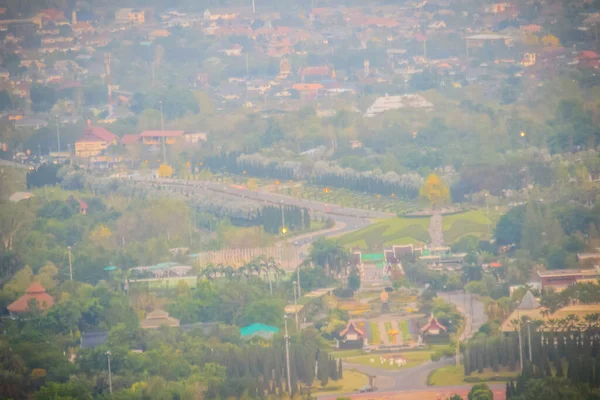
351	327
495	265
314	71
433	323
591	55
96	133
161	134
130	139
307	86
52	14
34	291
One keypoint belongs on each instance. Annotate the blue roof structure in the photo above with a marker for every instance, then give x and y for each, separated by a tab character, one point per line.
262	330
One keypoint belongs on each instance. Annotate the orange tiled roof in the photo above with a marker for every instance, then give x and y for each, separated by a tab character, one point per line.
34	291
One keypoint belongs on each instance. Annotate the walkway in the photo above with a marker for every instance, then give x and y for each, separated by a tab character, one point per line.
436	234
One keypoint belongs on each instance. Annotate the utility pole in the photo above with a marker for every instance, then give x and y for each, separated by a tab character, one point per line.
57	134
529	340
287	354
520	347
296	308
70	264
298	280
162	129
270	282
253	8
109	373
457	351
487	213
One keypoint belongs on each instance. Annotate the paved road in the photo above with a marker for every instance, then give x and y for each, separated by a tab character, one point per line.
346	219
412	379
468	304
437	393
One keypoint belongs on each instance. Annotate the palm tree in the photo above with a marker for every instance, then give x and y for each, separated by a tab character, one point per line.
572	322
551	324
208	272
592	320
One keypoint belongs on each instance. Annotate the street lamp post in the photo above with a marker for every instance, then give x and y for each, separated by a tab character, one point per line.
487	212
70	264
295	304
298	280
57	134
109	373
287	355
162	129
529	339
520	347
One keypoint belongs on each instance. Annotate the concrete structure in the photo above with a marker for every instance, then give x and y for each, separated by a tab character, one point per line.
158	318
560	279
388	103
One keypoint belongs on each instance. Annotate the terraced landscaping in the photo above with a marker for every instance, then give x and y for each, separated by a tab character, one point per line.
389	232
405	331
375	335
468	223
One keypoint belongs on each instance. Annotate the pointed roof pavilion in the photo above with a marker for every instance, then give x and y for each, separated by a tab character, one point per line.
529	302
34	291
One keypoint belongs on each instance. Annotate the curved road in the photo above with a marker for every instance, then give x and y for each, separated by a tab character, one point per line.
346	219
415	379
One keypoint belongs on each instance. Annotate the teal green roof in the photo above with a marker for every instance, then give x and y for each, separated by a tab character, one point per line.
253	329
372	257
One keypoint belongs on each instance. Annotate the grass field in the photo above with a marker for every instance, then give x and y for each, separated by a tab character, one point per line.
389	232
375	335
468	223
413	359
404	331
453	375
351	381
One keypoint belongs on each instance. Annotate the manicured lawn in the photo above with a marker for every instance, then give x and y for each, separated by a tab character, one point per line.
468	223
389	232
375	336
350	382
346	353
413	359
404	331
453	375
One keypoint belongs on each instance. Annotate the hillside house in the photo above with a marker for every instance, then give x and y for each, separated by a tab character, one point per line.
94	141
155	138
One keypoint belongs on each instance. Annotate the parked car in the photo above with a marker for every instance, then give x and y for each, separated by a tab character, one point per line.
367	389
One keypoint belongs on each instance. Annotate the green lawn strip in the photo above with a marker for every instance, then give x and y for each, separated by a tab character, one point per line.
351	381
375	336
390	231
475	216
405	331
462	228
453	375
346	353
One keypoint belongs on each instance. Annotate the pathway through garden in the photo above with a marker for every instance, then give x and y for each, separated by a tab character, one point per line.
436	235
